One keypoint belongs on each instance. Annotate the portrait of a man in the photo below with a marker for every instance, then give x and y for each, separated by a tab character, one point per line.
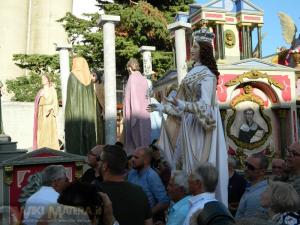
250	131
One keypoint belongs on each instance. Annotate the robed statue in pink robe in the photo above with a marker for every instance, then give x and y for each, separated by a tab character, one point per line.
136	117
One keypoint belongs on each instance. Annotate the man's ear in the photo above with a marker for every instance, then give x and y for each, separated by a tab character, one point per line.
200	185
53	184
104	166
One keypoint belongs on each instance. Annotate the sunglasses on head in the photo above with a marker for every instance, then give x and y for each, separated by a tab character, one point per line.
250	167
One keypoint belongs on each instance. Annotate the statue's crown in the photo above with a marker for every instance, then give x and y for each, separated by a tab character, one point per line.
203	35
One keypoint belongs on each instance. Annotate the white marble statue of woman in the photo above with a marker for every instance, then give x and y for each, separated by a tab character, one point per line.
201	136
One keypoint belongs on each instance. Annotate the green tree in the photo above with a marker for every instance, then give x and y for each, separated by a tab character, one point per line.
142	23
25	88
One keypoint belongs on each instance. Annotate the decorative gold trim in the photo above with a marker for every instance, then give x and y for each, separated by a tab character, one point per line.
8	174
78	169
248	96
254	74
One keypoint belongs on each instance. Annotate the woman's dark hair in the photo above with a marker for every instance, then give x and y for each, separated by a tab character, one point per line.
119	144
82	195
207	57
98	75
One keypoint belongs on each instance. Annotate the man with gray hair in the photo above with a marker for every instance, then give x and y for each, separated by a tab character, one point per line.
178	193
202	185
54	182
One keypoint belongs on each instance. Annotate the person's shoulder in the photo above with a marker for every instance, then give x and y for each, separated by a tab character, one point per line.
132	186
206	70
125	186
238	176
132	172
89	170
152	173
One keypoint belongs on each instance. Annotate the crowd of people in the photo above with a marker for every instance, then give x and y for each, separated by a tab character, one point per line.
143	189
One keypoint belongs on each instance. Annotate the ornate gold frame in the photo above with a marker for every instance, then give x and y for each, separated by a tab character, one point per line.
248	96
254	74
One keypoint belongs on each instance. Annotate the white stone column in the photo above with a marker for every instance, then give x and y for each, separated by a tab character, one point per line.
147	59
110	94
180	47
64	70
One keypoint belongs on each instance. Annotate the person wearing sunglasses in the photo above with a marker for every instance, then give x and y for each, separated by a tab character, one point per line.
293	164
256	166
92	175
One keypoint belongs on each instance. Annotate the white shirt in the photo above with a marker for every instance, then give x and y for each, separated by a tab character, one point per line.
37	203
197	202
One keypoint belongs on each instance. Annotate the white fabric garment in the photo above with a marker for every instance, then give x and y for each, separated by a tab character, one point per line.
201	136
197	203
37	203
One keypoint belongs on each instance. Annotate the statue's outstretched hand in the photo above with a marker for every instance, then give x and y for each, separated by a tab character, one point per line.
155	107
178	104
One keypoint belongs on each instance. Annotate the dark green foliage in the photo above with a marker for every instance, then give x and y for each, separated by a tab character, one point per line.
37	63
162	61
142	23
25	88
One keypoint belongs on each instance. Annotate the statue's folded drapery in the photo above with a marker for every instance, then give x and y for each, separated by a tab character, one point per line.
80	110
200	137
137	119
45	112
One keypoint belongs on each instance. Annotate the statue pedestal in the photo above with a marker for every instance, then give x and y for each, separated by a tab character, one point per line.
8	149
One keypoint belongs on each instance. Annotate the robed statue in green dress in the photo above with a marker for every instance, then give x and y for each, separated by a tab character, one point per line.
80	112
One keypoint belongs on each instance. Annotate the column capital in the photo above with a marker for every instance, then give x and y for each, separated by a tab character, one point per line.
108	18
220	22
59	47
245	24
145	48
179	25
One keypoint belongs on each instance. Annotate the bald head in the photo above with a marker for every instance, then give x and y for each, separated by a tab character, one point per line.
141	157
145	151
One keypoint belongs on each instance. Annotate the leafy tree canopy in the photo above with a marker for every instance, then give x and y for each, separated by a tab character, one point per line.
25	88
142	23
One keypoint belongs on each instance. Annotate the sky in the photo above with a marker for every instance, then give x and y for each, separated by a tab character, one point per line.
272	28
